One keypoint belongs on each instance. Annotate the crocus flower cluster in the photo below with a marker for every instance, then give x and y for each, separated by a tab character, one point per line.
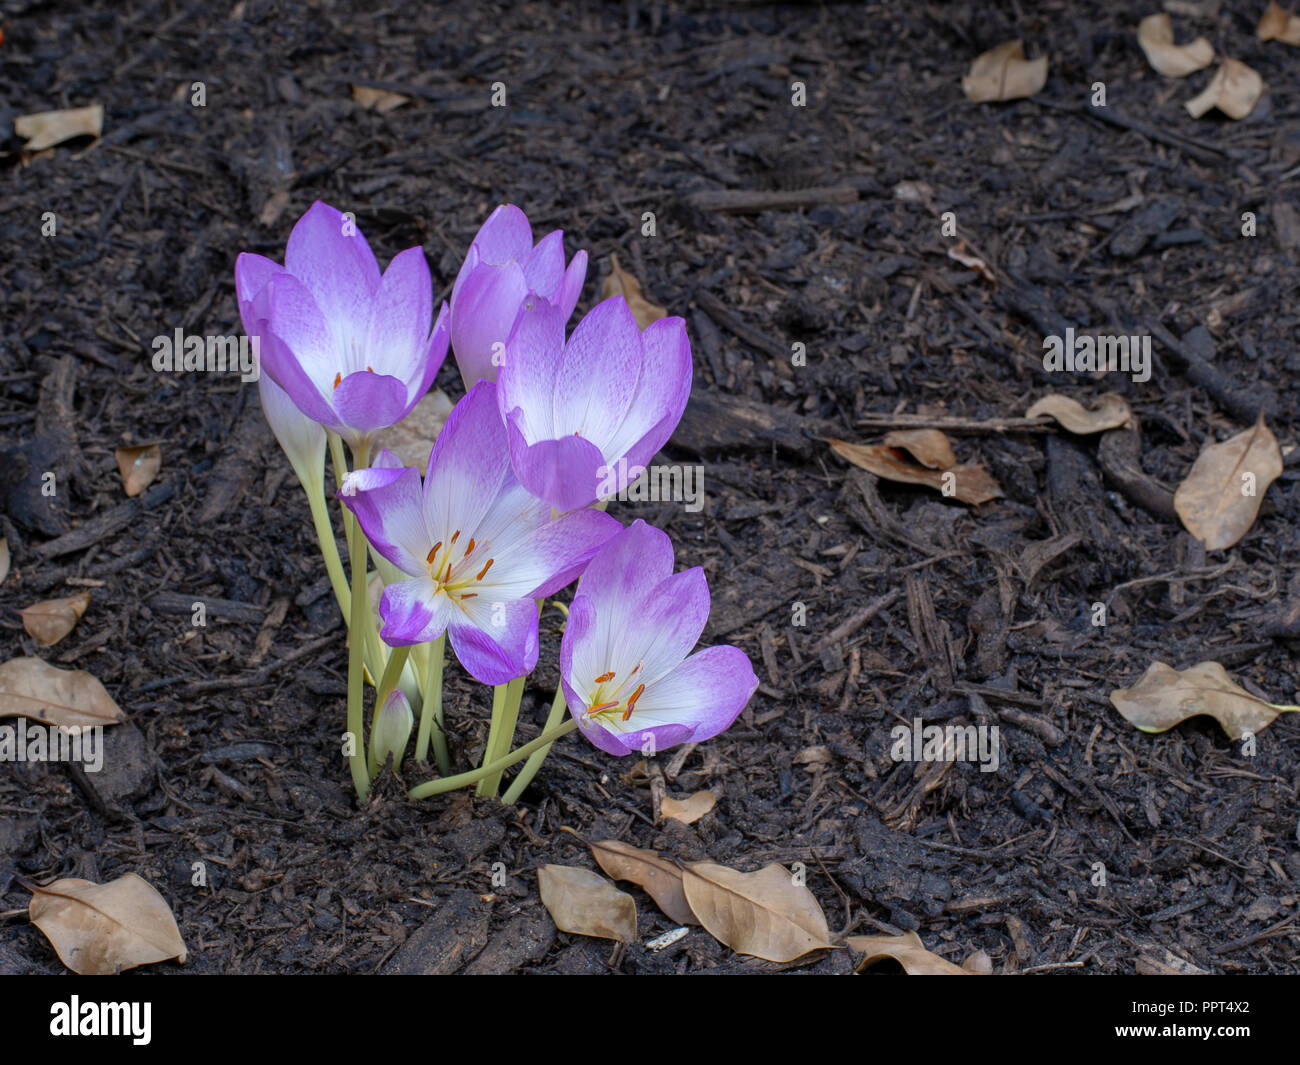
510	510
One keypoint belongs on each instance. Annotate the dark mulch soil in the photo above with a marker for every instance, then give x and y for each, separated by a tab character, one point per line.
977	615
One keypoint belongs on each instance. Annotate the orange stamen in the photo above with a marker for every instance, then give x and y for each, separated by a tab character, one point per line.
605	678
432	552
601	708
469	595
484	570
338	377
455	536
631	703
470	550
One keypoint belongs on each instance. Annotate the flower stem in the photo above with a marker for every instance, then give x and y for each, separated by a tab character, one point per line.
329	548
392	674
505	734
445	784
356	650
494	729
431	724
536	759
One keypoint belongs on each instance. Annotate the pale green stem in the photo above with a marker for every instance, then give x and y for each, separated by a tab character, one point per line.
536	759
329	548
376	651
461	780
494	728
392	673
431	723
505	734
356	651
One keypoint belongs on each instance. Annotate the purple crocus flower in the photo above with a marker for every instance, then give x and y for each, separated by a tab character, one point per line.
585	417
478	547
354	349
623	659
500	270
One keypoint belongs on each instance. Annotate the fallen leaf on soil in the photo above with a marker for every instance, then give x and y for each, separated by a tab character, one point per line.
379	100
765	914
1163	697
1277	24
1003	73
412	438
67	697
4	559
45	129
929	447
1112	412
138	466
52	619
1235	90
1156	36
907	950
101	929
690	809
621	283
659	878
581	902
974	262
969	484
979	963
1213	502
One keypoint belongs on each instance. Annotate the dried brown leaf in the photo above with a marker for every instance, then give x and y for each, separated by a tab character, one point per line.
412	438
67	697
959	253
1163	697
101	929
969	484
929	447
4	559
690	809
907	950
1156	37
1234	90
138	466
45	129
579	901
659	878
1278	24
1112	412
765	914
1221	496
379	100
52	619
621	283
1003	73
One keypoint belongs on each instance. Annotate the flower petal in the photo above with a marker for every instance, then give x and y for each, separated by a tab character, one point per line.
388	504
330	256
294	316
544	264
414	612
397	337
285	370
505	236
526	381
252	272
483	313
367	402
565	472
662	390
598	373
495	640
550	556
468	466
566	298
707	692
